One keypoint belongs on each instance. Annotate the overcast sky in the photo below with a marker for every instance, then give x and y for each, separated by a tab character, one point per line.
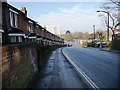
73	16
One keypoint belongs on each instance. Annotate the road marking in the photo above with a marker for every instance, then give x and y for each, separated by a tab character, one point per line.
93	85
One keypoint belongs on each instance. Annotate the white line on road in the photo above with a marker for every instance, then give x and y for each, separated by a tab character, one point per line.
93	85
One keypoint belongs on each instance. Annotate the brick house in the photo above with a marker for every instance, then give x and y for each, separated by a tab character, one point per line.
38	31
16	27
14	24
117	31
31	30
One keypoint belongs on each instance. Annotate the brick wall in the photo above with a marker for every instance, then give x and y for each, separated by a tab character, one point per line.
0	67
23	24
19	64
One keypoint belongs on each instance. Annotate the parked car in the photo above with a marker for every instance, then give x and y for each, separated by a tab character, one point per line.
101	43
94	43
104	44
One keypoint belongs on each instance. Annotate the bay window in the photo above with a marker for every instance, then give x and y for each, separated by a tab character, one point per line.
13	39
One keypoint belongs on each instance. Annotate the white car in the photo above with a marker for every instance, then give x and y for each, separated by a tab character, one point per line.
103	43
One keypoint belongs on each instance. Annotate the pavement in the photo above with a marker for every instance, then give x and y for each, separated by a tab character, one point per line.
104	49
58	73
116	51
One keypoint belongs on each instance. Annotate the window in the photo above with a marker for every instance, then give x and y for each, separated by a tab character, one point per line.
13	18
0	37
16	20
31	26
13	39
19	39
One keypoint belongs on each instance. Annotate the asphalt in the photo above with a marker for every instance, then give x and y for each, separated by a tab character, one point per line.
99	65
58	73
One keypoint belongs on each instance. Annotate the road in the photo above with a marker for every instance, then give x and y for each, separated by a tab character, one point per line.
100	66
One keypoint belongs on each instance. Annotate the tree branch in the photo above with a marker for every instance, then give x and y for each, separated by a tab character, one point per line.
108	26
117	25
113	21
115	2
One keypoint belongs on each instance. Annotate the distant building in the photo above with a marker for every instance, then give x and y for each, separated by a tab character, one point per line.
54	29
117	31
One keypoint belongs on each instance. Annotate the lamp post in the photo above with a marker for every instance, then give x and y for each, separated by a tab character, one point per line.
107	24
119	13
94	31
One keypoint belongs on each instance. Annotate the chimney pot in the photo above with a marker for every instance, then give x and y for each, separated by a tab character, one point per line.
24	10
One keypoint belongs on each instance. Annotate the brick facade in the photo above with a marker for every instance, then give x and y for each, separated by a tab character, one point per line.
19	64
20	26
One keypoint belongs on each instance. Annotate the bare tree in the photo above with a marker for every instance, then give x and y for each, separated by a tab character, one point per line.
117	2
113	8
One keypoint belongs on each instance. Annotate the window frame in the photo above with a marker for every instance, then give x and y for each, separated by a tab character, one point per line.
31	27
13	18
13	41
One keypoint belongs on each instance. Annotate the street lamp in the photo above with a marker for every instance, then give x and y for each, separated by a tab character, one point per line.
119	13
108	24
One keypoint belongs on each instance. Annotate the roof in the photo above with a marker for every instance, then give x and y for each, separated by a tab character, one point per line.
32	34
117	31
14	30
5	4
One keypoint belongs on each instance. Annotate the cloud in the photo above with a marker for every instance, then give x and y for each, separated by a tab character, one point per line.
74	19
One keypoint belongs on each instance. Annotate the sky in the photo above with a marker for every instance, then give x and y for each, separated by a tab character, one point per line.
73	16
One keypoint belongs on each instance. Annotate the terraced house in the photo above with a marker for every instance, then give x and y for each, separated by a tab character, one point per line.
16	27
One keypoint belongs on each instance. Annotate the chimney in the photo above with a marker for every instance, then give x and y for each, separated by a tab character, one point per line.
24	10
